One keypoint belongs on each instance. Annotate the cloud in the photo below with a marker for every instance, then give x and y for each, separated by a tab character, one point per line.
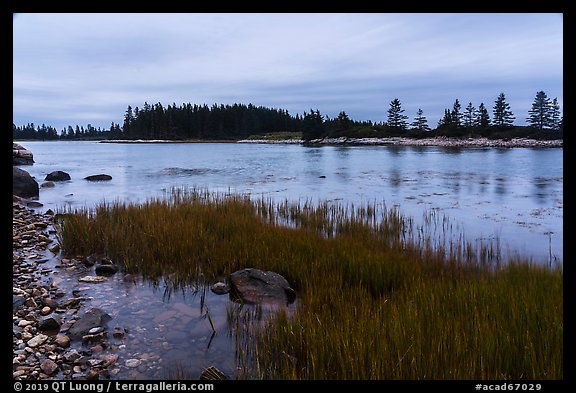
71	65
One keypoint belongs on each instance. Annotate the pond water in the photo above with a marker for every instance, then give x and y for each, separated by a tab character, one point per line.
512	196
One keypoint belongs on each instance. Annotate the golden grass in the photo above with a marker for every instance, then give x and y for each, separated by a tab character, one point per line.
380	299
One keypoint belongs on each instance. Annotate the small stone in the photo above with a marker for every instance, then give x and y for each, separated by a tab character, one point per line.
37	340
24	323
92	279
109	359
220	288
92	375
45	310
96	330
72	356
132	363
48	366
62	341
55	249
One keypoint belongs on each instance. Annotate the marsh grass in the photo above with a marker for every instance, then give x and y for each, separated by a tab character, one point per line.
380	298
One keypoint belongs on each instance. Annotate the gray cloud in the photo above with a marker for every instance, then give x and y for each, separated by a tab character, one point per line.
87	68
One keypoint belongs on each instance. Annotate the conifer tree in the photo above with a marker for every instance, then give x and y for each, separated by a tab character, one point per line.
469	115
540	114
456	115
482	117
555	117
420	122
396	119
502	114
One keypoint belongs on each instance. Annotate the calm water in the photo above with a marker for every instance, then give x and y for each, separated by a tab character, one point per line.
515	195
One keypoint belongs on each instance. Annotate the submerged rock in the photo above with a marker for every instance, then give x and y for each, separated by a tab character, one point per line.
57	176
101	177
92	318
257	286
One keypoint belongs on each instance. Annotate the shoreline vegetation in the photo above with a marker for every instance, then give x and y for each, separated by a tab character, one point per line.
379	297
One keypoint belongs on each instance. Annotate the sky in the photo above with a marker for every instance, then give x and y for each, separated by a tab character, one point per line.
87	68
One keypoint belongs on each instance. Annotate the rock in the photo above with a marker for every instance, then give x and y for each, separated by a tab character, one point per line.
45	310
106	270
72	356
92	279
47	301
23	184
37	340
101	177
132	363
47	184
220	288
62	341
17	301
51	322
57	176
91	318
257	286
48	366
21	155
55	249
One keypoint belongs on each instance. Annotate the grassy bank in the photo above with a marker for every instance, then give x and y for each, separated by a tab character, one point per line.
379	299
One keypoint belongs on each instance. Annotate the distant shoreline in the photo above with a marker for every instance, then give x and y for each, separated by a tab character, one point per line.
435	141
390	141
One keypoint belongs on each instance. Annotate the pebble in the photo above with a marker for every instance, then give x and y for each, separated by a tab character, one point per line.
132	363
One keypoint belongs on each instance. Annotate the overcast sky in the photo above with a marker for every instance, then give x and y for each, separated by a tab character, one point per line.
87	68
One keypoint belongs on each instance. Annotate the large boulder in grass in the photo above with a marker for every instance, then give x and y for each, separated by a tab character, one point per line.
23	184
256	286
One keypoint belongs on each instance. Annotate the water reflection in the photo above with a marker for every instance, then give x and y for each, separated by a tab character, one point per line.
474	183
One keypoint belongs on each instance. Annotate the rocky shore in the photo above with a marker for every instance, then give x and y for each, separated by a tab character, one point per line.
436	141
44	315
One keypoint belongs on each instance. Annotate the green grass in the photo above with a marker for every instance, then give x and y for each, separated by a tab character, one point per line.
379	297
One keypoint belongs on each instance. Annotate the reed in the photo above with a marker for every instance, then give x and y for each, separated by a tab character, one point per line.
380	297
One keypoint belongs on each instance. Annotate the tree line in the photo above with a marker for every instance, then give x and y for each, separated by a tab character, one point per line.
237	121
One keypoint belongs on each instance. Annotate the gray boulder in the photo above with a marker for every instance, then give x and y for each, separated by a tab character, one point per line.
101	177
51	322
257	286
91	319
57	176
21	155
24	185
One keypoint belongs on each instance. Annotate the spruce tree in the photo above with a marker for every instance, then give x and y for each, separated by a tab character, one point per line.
456	115
420	122
503	116
556	121
447	121
540	114
469	115
482	117
395	117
